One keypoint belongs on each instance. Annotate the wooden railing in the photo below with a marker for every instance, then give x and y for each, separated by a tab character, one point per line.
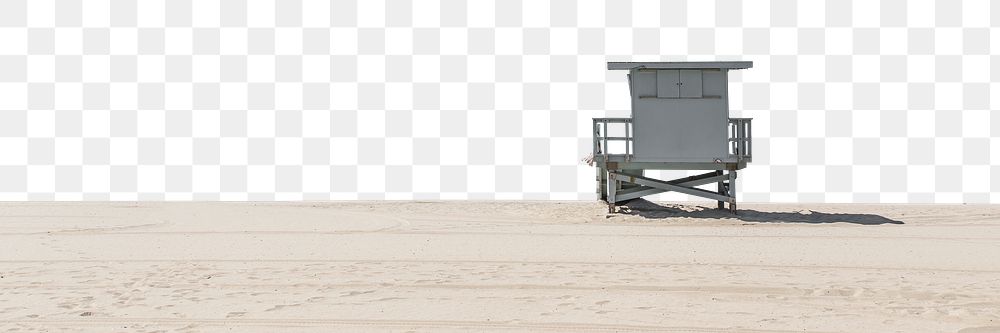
601	138
740	138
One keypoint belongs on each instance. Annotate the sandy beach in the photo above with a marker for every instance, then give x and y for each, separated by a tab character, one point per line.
497	266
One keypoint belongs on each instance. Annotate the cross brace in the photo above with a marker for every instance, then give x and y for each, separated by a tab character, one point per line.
685	185
692	181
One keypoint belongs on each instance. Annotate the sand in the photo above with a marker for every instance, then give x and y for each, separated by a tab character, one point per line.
497	266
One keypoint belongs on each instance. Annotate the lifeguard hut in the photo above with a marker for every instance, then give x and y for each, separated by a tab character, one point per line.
680	121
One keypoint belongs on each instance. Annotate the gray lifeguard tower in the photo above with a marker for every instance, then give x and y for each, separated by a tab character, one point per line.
680	121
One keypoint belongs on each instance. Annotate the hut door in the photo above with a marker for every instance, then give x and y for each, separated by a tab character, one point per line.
667	84
690	83
685	83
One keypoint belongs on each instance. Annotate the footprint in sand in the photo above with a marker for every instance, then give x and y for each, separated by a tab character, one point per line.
984	329
388	299
355	293
281	306
235	314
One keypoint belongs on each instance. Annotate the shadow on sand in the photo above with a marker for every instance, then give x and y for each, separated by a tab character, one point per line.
647	209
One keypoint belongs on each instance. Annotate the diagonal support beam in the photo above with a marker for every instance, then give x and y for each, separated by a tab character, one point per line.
691	181
667	186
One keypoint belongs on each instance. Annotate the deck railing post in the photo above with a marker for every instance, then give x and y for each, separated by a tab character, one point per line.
628	138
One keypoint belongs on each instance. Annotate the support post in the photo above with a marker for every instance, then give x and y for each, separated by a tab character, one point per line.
612	192
732	190
721	189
